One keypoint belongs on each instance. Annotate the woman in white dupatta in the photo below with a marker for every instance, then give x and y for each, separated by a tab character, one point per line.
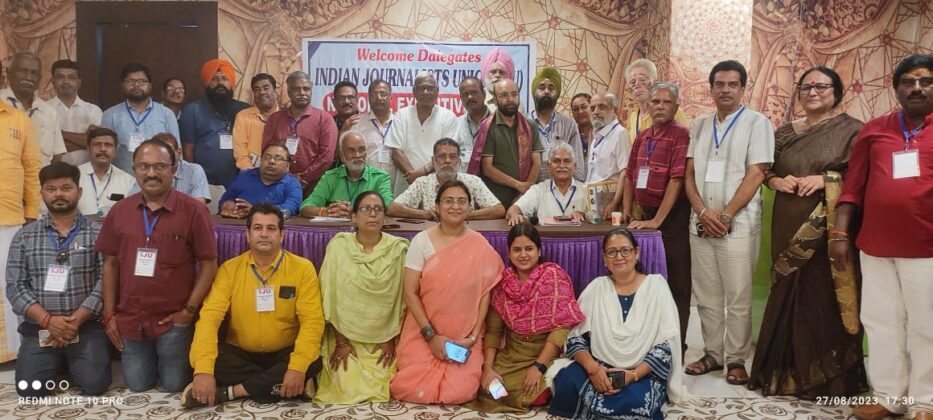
632	327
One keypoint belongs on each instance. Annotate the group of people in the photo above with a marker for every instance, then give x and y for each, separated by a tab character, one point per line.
179	320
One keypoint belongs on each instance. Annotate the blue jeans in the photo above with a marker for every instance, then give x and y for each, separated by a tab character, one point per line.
88	360
166	357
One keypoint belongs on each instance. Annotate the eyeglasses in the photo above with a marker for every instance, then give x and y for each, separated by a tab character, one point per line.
380	94
274	159
173	88
373	210
616	252
459	201
145	167
136	82
507	95
448	156
820	88
908	82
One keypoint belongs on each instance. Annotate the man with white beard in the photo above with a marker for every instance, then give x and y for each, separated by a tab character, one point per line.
608	155
495	66
334	194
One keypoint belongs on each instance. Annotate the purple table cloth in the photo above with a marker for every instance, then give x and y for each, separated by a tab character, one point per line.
581	257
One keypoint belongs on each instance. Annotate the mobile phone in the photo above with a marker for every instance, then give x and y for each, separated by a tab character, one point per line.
44	336
617	379
497	390
563	218
456	352
412	221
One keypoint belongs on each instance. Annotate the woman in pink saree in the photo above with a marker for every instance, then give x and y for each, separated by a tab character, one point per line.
449	272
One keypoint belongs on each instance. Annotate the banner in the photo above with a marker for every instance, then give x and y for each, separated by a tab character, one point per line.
329	61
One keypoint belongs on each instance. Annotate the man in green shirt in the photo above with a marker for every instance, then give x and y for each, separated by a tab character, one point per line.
334	193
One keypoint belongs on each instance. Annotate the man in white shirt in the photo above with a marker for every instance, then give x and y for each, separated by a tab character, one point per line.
726	161
24	74
418	201
376	126
474	112
75	115
561	195
103	183
417	127
610	147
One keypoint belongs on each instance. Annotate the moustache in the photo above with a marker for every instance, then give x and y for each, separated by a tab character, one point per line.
59	200
152	179
917	95
102	155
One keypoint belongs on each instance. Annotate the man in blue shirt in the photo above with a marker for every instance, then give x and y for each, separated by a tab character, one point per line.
189	177
206	127
139	118
270	182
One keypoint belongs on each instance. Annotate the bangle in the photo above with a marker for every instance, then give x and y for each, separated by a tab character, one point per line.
635	374
428	332
699	216
322	212
44	321
839	232
838	240
540	366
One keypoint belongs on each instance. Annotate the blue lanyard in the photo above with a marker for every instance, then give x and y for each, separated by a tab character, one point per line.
350	195
908	135
72	234
385	133
547	132
293	124
470	124
601	138
150	226
94	184
650	147
133	117
563	207
28	111
729	128
274	269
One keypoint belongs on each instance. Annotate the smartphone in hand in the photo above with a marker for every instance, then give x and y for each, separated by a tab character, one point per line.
456	352
617	379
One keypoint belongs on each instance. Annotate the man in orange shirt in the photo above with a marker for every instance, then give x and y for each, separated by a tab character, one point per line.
250	122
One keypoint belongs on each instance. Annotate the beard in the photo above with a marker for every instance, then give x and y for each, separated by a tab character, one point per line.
356	166
54	206
446	174
219	96
544	103
598	122
509	110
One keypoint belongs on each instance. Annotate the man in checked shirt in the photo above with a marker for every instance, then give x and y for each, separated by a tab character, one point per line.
53	280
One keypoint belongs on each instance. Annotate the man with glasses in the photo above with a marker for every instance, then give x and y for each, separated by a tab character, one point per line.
640	75
559	196
416	129
103	183
173	95
890	178
160	257
53	282
189	177
139	117
417	202
376	126
334	194
250	122
24	73
270	183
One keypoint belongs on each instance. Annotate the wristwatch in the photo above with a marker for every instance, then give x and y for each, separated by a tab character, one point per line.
540	366
725	218
191	309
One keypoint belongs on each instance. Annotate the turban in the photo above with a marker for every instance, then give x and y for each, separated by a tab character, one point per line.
496	55
210	68
549	73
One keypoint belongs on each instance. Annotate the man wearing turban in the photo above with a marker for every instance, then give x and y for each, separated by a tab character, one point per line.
553	127
206	127
495	66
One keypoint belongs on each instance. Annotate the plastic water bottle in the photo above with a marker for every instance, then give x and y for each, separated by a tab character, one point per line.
593	217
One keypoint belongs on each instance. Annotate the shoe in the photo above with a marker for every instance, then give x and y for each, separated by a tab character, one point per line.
189	401
310	389
923	415
871	412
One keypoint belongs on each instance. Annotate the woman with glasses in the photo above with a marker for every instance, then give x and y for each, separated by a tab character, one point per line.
361	288
449	272
809	344
626	353
533	308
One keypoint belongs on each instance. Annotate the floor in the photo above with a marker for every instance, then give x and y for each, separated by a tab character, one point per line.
714	399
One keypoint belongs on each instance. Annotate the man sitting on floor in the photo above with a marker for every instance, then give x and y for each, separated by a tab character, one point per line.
270	183
272	348
338	187
418	200
561	195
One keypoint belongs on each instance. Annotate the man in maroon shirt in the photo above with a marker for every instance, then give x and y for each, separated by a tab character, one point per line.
159	261
655	181
890	178
309	133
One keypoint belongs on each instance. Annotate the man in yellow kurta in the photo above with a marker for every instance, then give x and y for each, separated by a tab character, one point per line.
273	342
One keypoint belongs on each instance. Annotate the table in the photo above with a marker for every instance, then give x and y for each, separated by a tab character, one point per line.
577	249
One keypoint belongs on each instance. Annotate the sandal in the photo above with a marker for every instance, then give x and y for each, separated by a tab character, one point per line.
737	379
706	364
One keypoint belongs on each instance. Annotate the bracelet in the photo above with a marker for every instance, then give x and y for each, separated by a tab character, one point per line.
635	374
839	232
46	319
322	212
700	216
107	319
428	332
838	240
540	366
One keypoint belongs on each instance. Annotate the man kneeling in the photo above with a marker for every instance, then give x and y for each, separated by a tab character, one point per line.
273	342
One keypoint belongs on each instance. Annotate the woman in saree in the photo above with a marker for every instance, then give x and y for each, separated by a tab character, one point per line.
533	309
361	288
809	344
631	331
449	272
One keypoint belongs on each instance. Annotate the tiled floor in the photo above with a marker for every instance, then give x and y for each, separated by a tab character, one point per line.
714	399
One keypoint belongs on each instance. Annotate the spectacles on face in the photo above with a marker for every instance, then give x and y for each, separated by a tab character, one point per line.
136	82
507	95
459	201
820	88
145	167
909	82
373	210
274	159
175	88
448	156
616	252
380	94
